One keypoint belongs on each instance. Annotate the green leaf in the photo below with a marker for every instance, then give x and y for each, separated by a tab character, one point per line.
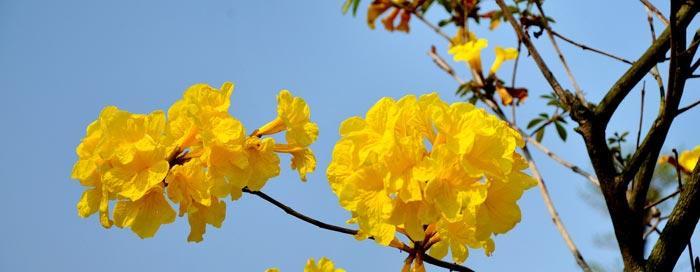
355	5
561	131
539	135
445	22
544	115
346	6
534	122
426	5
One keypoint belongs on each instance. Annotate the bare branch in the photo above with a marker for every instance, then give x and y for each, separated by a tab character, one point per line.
679	228
684	109
565	96
585	47
553	212
294	213
655	70
550	34
443	65
641	113
662	200
563	162
432	26
656	11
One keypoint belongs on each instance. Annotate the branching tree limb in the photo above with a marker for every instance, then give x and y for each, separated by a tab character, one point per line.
326	226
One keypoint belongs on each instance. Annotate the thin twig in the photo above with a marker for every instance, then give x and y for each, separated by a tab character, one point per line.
585	47
656	11
553	212
678	170
563	162
641	113
294	213
655	70
564	96
662	200
653	227
550	34
432	26
684	109
443	65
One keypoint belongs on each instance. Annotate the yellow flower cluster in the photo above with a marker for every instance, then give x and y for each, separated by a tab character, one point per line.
323	265
444	173
198	156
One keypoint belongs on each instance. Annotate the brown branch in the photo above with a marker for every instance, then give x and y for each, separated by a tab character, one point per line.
655	70
648	5
553	212
641	113
432	26
326	226
662	200
585	47
679	228
563	162
564	96
550	34
443	65
684	109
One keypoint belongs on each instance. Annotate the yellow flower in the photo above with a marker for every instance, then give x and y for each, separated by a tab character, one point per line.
145	215
200	215
293	117
689	158
225	157
420	162
263	162
274	269
323	265
462	36
502	54
146	169
89	169
187	185
121	155
469	52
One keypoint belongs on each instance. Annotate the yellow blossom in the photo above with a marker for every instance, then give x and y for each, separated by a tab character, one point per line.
420	162
188	185
263	162
146	215
89	169
689	158
293	117
200	215
469	52
502	54
323	265
198	155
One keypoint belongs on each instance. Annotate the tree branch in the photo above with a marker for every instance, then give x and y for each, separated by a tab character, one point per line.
563	162
566	97
656	11
326	226
654	54
679	228
585	47
564	63
553	212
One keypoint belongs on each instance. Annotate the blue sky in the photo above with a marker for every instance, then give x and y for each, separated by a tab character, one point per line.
62	61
